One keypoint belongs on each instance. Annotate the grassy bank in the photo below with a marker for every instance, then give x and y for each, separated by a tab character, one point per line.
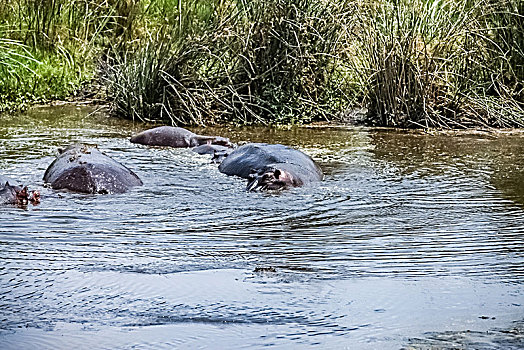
447	64
46	51
417	63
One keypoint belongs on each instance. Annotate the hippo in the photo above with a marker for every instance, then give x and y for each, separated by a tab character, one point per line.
271	166
217	151
176	137
84	169
13	193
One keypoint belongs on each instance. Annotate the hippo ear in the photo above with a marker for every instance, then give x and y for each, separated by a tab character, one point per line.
7	184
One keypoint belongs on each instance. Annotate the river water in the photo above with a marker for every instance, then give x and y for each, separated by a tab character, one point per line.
412	241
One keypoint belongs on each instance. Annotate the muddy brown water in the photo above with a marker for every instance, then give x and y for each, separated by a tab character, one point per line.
412	241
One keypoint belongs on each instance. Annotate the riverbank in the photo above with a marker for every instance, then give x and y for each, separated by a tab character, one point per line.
426	64
101	108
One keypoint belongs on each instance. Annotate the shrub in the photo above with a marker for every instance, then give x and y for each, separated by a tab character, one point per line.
436	63
270	61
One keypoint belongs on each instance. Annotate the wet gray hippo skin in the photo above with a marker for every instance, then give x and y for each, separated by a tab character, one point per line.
11	192
211	149
176	137
218	152
83	168
271	167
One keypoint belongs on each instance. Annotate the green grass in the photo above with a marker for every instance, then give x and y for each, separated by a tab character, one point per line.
436	63
411	63
29	77
271	62
47	50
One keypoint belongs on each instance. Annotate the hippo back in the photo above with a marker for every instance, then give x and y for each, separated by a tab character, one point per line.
166	136
257	157
85	169
7	190
212	149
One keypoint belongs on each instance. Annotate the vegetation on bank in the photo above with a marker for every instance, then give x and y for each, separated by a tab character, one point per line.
411	63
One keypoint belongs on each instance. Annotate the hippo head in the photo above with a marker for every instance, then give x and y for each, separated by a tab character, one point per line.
34	198
272	179
15	194
22	195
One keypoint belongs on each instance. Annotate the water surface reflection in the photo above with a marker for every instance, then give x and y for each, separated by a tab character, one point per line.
409	235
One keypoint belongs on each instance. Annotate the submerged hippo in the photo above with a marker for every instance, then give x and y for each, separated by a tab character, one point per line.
13	193
271	167
176	137
217	151
83	168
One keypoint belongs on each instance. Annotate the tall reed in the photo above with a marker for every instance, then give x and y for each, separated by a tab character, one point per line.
287	58
52	47
412	63
437	63
271	61
157	77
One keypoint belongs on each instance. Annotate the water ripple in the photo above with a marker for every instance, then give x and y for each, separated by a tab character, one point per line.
407	233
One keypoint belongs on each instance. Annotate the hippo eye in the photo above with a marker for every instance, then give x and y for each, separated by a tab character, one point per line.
277	173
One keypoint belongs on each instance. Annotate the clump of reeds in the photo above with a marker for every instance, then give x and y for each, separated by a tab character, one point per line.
158	78
436	63
48	48
155	82
287	56
412	63
271	61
